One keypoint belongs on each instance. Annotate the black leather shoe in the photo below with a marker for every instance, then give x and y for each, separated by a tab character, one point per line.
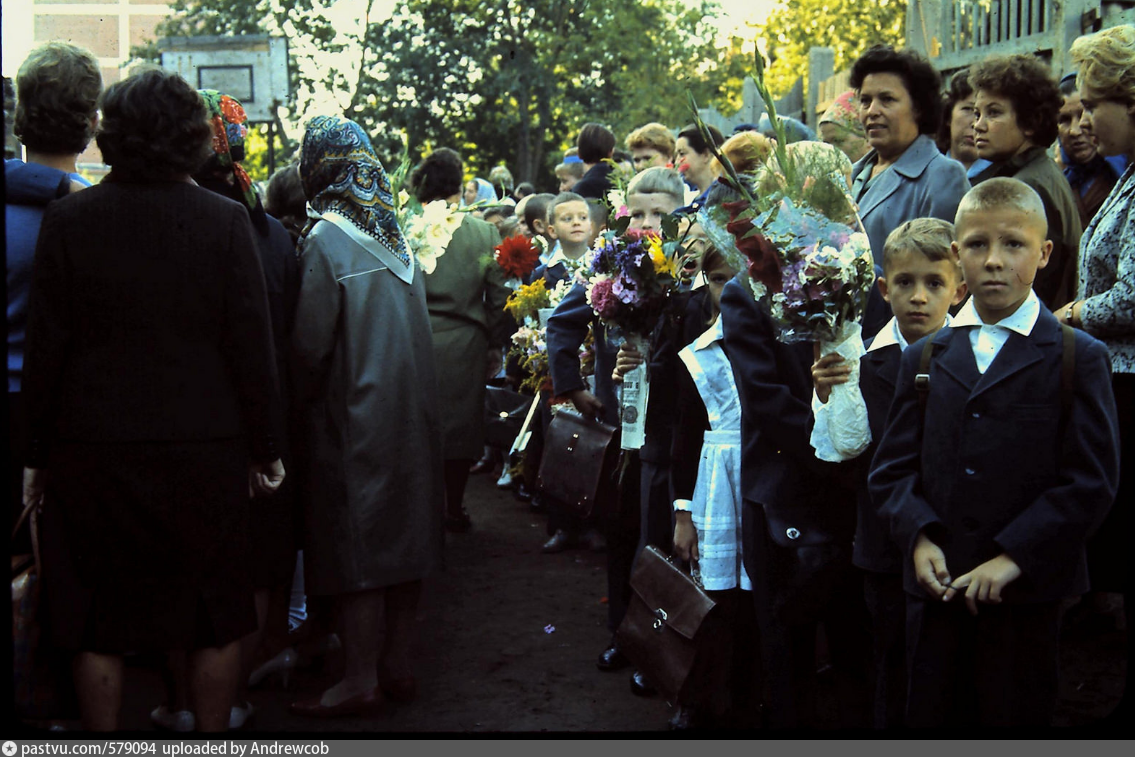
612	659
521	493
640	687
458	524
558	543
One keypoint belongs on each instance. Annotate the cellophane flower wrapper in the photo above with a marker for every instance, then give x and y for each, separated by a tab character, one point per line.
841	431
820	278
631	279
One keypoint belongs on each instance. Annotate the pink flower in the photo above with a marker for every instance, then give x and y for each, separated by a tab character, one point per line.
603	300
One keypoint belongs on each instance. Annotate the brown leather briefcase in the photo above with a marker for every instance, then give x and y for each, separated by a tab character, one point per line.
670	631
579	462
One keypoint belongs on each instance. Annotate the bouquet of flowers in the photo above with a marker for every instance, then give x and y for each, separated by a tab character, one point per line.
630	279
529	305
428	228
796	233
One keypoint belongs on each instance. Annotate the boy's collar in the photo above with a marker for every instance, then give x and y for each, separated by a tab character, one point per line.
1021	321
892	334
558	256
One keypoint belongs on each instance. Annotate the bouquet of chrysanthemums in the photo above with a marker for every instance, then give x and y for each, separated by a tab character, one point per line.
427	228
796	233
631	277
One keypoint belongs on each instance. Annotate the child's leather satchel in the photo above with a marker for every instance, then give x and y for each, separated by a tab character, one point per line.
579	462
670	631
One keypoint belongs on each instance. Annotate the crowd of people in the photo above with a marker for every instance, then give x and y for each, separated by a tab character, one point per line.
234	414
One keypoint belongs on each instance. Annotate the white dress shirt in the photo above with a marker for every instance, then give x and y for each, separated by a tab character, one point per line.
987	339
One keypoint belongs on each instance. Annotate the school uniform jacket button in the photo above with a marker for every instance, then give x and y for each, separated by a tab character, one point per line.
792	533
970	471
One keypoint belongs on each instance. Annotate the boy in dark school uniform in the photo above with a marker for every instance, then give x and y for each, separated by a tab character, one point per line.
921	281
992	482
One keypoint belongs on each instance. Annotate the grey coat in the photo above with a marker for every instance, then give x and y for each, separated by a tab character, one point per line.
922	183
364	375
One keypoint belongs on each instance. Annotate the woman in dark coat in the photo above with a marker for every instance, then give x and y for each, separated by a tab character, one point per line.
152	401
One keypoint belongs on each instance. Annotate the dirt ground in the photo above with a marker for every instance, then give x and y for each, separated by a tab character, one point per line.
509	638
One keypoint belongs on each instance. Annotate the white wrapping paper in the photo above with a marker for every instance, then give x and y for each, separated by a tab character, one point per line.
636	392
841	431
544	314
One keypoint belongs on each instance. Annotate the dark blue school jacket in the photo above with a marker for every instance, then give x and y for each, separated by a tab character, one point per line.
874	550
989	471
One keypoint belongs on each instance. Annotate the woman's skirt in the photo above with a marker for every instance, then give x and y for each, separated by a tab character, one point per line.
145	546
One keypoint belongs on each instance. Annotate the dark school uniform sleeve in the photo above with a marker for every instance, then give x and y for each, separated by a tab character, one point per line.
567	329
690	424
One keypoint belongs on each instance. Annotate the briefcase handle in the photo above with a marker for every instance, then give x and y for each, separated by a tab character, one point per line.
694	571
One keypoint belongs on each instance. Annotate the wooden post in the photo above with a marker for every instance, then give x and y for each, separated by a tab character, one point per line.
821	65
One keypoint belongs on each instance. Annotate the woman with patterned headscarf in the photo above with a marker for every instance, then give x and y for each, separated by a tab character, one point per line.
365	380
273	532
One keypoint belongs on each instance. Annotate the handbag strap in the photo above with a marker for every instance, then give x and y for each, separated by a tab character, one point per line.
23	517
31	515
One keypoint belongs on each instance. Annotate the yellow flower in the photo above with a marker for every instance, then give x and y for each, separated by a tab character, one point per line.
528	299
662	264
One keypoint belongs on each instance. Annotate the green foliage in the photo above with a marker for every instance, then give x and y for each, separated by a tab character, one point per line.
501	81
256	152
847	26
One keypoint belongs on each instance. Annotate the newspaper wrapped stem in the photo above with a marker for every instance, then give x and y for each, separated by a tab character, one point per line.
636	392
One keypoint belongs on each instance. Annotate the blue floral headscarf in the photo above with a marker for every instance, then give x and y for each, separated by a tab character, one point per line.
345	183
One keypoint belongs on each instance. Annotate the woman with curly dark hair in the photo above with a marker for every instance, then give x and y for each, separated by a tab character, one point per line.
1017	103
152	402
903	176
470	327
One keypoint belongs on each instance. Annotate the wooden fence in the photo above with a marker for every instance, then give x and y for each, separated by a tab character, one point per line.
954	34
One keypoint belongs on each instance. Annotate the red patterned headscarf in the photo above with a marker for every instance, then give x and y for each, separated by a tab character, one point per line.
229	131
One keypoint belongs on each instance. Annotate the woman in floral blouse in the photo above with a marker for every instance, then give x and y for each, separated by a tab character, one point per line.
1105	304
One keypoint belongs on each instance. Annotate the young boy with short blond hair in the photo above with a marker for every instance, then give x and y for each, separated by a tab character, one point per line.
993	478
921	280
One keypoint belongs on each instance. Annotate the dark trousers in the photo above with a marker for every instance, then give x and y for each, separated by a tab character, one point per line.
886	603
734	699
621	528
788	645
998	668
656	525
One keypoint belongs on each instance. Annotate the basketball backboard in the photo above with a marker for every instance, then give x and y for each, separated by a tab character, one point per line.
251	68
